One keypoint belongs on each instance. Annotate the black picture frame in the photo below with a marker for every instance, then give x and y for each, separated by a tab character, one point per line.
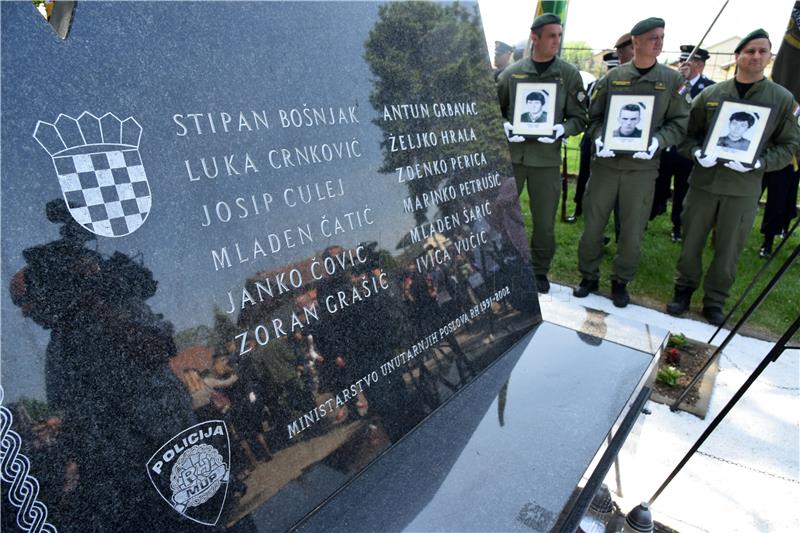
528	129
751	141
614	137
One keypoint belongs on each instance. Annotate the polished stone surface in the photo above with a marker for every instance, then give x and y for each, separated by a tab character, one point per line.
294	218
507	453
596	326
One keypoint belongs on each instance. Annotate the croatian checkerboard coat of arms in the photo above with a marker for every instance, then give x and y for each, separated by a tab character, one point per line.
191	472
99	170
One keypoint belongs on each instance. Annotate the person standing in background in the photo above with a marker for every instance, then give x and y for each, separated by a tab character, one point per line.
672	163
536	162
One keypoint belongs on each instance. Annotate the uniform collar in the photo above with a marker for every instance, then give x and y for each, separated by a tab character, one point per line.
694	80
755	88
528	65
631	68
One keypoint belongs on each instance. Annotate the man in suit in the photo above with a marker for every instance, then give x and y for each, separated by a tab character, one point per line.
672	163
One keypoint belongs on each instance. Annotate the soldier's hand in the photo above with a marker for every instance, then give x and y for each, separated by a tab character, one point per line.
738	167
651	151
512	138
558	132
685	70
705	161
601	152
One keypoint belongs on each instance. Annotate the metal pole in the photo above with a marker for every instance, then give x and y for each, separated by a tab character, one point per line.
771	356
753	281
694	51
564	183
750	310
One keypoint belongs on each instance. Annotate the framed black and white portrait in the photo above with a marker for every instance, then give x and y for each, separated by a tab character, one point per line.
628	121
737	131
534	109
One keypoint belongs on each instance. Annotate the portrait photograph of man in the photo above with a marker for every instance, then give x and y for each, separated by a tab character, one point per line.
630	115
737	131
535	108
628	122
738	124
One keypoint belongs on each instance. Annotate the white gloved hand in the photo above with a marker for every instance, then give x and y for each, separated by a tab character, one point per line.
706	161
558	132
512	138
738	167
651	151
602	152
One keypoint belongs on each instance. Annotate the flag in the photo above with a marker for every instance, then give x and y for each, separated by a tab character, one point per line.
556	7
784	70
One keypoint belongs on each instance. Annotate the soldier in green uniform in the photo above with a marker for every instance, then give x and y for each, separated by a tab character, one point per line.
624	48
536	161
725	196
628	179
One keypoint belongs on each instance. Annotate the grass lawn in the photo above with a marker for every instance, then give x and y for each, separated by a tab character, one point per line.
654	282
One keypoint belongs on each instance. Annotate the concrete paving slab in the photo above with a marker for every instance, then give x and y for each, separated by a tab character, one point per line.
746	477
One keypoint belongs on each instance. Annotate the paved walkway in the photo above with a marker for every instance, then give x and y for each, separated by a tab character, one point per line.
746	477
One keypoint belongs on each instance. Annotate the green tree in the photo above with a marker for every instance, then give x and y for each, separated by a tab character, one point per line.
224	332
423	53
578	53
197	336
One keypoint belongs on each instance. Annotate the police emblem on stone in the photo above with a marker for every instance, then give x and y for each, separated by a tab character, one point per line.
192	470
99	170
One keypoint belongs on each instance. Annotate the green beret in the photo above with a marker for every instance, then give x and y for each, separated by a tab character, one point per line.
757	34
545	19
644	26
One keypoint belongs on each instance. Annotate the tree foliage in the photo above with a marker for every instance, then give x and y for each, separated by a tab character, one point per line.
197	336
578	53
423	53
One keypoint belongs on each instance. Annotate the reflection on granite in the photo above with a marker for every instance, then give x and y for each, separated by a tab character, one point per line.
505	454
232	280
595	326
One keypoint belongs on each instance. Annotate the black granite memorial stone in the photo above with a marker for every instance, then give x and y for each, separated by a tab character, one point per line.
246	248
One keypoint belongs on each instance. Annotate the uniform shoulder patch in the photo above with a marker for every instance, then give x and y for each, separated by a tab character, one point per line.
660	86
